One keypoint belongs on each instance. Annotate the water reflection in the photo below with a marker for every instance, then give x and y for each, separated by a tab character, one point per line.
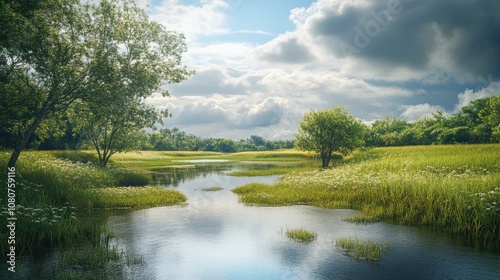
215	237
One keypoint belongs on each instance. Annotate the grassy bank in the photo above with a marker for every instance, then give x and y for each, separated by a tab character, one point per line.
54	189
455	188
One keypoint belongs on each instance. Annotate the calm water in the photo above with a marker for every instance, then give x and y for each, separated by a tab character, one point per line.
216	237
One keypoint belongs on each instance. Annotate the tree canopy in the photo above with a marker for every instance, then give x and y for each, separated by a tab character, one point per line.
101	56
329	130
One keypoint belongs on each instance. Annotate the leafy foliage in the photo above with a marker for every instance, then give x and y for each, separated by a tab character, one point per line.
104	57
328	131
478	122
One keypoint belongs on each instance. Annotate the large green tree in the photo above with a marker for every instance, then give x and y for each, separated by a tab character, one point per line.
329	130
132	58
42	65
61	51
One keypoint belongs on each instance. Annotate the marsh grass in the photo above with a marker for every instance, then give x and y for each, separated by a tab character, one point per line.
363	219
135	197
127	177
53	190
301	235
212	189
275	156
264	172
148	159
368	250
451	188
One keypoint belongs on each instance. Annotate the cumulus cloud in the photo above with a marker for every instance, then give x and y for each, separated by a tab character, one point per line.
469	95
208	111
425	36
284	49
267	113
207	19
208	81
416	112
369	55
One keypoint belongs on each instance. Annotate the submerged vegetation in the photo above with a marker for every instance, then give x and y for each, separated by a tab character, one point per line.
212	189
301	235
368	250
453	188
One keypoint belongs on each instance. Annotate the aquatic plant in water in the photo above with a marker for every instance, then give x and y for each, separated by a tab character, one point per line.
301	235
368	250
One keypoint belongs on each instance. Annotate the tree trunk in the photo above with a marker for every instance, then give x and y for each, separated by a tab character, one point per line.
25	138
325	161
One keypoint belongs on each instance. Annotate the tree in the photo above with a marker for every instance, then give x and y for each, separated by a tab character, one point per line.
42	65
490	115
61	51
330	130
131	58
386	132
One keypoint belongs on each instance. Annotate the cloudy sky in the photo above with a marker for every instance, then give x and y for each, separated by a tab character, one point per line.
261	64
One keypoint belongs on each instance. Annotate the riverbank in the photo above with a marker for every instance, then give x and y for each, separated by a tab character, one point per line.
452	188
54	192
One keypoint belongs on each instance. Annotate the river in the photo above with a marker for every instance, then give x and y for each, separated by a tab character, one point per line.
217	237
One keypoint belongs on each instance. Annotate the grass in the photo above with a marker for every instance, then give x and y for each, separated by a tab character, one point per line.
134	197
362	250
363	219
451	188
301	235
262	172
212	189
53	191
274	156
148	159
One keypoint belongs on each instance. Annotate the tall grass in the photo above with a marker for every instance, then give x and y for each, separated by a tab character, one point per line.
54	188
278	155
455	188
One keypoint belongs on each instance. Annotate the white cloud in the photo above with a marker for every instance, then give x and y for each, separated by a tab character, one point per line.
267	113
193	21
229	54
419	55
284	49
469	95
416	112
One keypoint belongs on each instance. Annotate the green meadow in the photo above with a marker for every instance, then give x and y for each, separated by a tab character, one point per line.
451	188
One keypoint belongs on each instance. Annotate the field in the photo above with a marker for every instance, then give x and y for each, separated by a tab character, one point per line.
451	188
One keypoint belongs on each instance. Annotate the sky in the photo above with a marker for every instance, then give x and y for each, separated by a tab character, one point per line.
260	65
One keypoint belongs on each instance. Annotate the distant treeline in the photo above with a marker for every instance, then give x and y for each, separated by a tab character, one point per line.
479	122
177	140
